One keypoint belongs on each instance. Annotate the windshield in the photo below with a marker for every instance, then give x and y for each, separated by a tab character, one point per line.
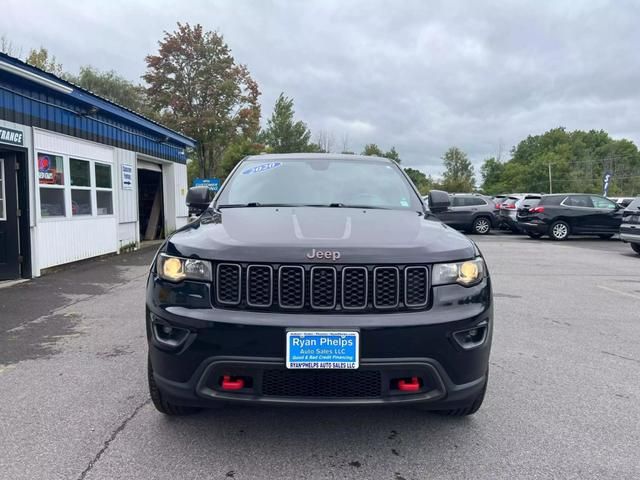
319	182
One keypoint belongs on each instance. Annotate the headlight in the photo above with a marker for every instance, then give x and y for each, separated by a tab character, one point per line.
465	273
176	269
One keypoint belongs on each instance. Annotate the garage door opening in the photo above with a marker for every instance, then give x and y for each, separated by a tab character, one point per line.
15	244
150	202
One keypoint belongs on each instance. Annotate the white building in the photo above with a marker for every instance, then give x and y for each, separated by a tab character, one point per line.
80	176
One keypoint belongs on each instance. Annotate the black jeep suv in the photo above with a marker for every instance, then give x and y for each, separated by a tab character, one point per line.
318	279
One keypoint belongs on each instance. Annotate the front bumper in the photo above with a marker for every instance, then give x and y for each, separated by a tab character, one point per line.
251	345
630	235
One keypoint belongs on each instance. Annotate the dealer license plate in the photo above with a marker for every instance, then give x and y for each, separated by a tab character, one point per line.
323	349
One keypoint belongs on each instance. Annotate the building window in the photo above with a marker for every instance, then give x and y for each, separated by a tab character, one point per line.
50	169
52	202
3	213
104	190
51	179
80	176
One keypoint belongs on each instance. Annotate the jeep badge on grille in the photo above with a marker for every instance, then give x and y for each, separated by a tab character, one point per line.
326	254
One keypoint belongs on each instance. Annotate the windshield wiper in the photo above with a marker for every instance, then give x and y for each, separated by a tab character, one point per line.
254	204
258	204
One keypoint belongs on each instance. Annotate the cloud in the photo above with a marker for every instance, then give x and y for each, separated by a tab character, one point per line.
420	76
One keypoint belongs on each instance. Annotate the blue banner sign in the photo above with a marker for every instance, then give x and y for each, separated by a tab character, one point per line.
212	183
605	183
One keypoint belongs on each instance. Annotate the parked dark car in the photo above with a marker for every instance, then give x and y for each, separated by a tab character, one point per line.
630	228
517	202
470	212
318	279
562	215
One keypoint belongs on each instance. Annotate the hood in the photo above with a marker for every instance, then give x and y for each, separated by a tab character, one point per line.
289	234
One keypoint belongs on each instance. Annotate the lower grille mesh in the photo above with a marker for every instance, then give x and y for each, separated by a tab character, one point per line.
318	383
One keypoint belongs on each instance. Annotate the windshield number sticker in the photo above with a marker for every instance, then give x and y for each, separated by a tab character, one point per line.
261	168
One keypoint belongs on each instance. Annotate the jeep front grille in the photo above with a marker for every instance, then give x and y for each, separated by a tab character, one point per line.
321	288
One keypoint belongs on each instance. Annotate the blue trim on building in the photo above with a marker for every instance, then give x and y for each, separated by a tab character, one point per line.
84	115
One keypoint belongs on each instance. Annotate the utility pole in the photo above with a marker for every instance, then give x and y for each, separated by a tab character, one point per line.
550	182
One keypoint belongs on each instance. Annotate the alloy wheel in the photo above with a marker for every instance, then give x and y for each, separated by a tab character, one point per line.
560	231
481	226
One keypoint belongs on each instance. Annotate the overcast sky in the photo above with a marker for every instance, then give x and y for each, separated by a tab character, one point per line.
417	75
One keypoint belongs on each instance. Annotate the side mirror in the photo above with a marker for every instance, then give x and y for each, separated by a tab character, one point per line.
198	199
438	201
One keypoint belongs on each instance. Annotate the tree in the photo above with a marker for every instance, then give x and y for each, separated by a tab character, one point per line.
393	155
420	180
40	59
371	149
492	171
200	90
458	175
237	151
8	47
112	86
283	134
578	161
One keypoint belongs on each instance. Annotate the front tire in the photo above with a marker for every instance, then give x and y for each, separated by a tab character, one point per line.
161	404
636	247
559	230
481	226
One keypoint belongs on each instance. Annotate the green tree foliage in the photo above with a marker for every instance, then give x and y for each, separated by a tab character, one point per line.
40	59
285	135
578	161
113	87
393	155
492	171
458	174
235	152
200	90
420	180
371	149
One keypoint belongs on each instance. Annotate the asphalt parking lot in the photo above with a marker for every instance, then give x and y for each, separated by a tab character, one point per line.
563	398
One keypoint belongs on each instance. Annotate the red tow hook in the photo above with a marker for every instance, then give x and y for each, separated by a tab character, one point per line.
413	385
228	384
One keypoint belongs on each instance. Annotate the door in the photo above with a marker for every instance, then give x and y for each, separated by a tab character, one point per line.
9	237
580	213
609	216
454	215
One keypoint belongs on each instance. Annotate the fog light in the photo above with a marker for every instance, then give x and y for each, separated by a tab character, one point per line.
169	336
473	337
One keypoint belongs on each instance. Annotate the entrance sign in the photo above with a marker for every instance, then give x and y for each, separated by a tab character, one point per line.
12	137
